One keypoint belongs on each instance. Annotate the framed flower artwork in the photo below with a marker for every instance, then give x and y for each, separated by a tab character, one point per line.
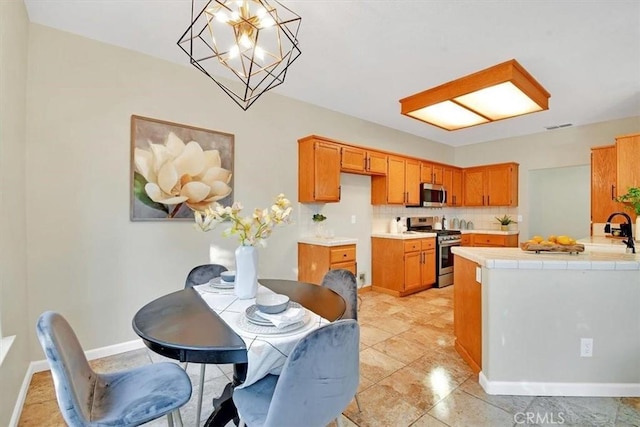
177	168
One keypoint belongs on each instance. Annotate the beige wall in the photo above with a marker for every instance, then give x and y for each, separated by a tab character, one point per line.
550	149
13	273
85	258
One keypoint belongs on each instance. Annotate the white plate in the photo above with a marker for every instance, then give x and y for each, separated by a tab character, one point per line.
254	317
247	326
218	283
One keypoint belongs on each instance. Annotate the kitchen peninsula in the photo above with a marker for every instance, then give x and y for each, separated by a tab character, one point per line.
523	320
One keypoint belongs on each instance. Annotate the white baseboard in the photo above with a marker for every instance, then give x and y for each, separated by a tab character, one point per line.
43	365
523	388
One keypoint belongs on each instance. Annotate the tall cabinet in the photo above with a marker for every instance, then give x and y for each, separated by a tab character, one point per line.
603	183
614	168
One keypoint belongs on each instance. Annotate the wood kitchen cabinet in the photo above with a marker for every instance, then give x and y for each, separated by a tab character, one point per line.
360	161
603	183
452	181
494	240
467	312
431	173
401	185
492	185
318	170
465	240
402	267
315	260
627	161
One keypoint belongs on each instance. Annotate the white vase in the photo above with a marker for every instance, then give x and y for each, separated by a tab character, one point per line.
246	284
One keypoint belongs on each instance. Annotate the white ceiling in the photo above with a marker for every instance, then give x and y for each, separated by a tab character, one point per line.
359	57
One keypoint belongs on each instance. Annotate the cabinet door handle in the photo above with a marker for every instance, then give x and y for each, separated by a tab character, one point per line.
482	200
613	192
488	200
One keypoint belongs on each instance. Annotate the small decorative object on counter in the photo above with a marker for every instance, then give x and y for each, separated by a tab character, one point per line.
318	219
504	222
393	226
463	224
455	224
632	202
445	223
470	225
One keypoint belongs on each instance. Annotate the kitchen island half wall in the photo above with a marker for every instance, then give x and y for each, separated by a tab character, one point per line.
534	310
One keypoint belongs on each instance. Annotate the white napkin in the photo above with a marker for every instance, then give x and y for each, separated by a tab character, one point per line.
286	318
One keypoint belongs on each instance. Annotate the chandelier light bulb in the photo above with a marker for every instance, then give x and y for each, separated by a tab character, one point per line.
221	17
245	41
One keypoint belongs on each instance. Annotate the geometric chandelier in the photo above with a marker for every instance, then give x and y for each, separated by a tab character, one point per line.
495	93
251	42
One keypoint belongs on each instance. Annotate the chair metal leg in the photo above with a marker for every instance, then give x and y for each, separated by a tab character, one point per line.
170	419
178	418
242	424
199	407
358	403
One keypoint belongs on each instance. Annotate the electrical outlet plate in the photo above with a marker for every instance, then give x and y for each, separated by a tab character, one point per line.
586	347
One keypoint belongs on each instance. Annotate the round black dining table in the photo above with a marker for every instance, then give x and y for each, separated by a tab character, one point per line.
181	326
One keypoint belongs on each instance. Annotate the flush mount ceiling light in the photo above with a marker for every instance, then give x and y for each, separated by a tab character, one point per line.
499	92
251	42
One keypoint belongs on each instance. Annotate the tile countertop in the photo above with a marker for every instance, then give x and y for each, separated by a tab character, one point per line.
515	258
331	241
403	236
605	244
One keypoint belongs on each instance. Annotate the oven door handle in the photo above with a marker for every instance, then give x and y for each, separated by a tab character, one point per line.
450	243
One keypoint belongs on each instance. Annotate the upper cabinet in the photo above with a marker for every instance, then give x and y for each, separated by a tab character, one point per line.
628	158
452	181
603	183
318	170
431	173
492	185
396	179
360	161
401	185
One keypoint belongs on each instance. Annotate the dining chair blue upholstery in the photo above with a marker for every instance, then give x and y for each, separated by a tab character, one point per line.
197	276
343	282
317	382
202	274
126	398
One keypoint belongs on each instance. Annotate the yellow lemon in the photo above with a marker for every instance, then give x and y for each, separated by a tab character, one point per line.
552	238
564	240
537	238
546	243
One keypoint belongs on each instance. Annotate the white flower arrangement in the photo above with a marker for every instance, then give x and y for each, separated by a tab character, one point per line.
252	230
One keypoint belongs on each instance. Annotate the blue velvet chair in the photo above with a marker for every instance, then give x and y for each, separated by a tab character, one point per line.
343	282
127	398
197	276
203	273
318	380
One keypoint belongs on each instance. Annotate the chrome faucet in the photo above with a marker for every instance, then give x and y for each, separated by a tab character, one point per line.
625	229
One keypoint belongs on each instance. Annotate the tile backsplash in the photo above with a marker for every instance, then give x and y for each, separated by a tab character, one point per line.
482	218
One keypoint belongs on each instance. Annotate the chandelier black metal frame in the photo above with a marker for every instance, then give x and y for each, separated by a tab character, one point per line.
250	43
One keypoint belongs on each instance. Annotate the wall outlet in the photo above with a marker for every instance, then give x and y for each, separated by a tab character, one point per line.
362	278
586	347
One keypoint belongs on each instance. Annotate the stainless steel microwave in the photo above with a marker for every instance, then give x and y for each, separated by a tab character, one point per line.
432	195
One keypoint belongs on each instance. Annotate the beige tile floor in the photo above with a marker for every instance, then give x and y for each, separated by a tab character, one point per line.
410	375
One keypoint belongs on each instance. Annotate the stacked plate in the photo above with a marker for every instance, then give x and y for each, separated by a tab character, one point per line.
218	283
252	315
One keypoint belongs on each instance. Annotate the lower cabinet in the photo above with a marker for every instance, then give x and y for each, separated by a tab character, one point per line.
402	267
495	240
467	312
315	260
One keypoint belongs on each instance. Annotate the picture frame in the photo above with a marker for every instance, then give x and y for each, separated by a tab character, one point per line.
177	168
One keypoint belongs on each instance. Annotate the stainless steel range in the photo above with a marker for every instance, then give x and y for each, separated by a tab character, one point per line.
445	240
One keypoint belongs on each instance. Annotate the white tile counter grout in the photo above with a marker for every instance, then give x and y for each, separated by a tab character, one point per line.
515	258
